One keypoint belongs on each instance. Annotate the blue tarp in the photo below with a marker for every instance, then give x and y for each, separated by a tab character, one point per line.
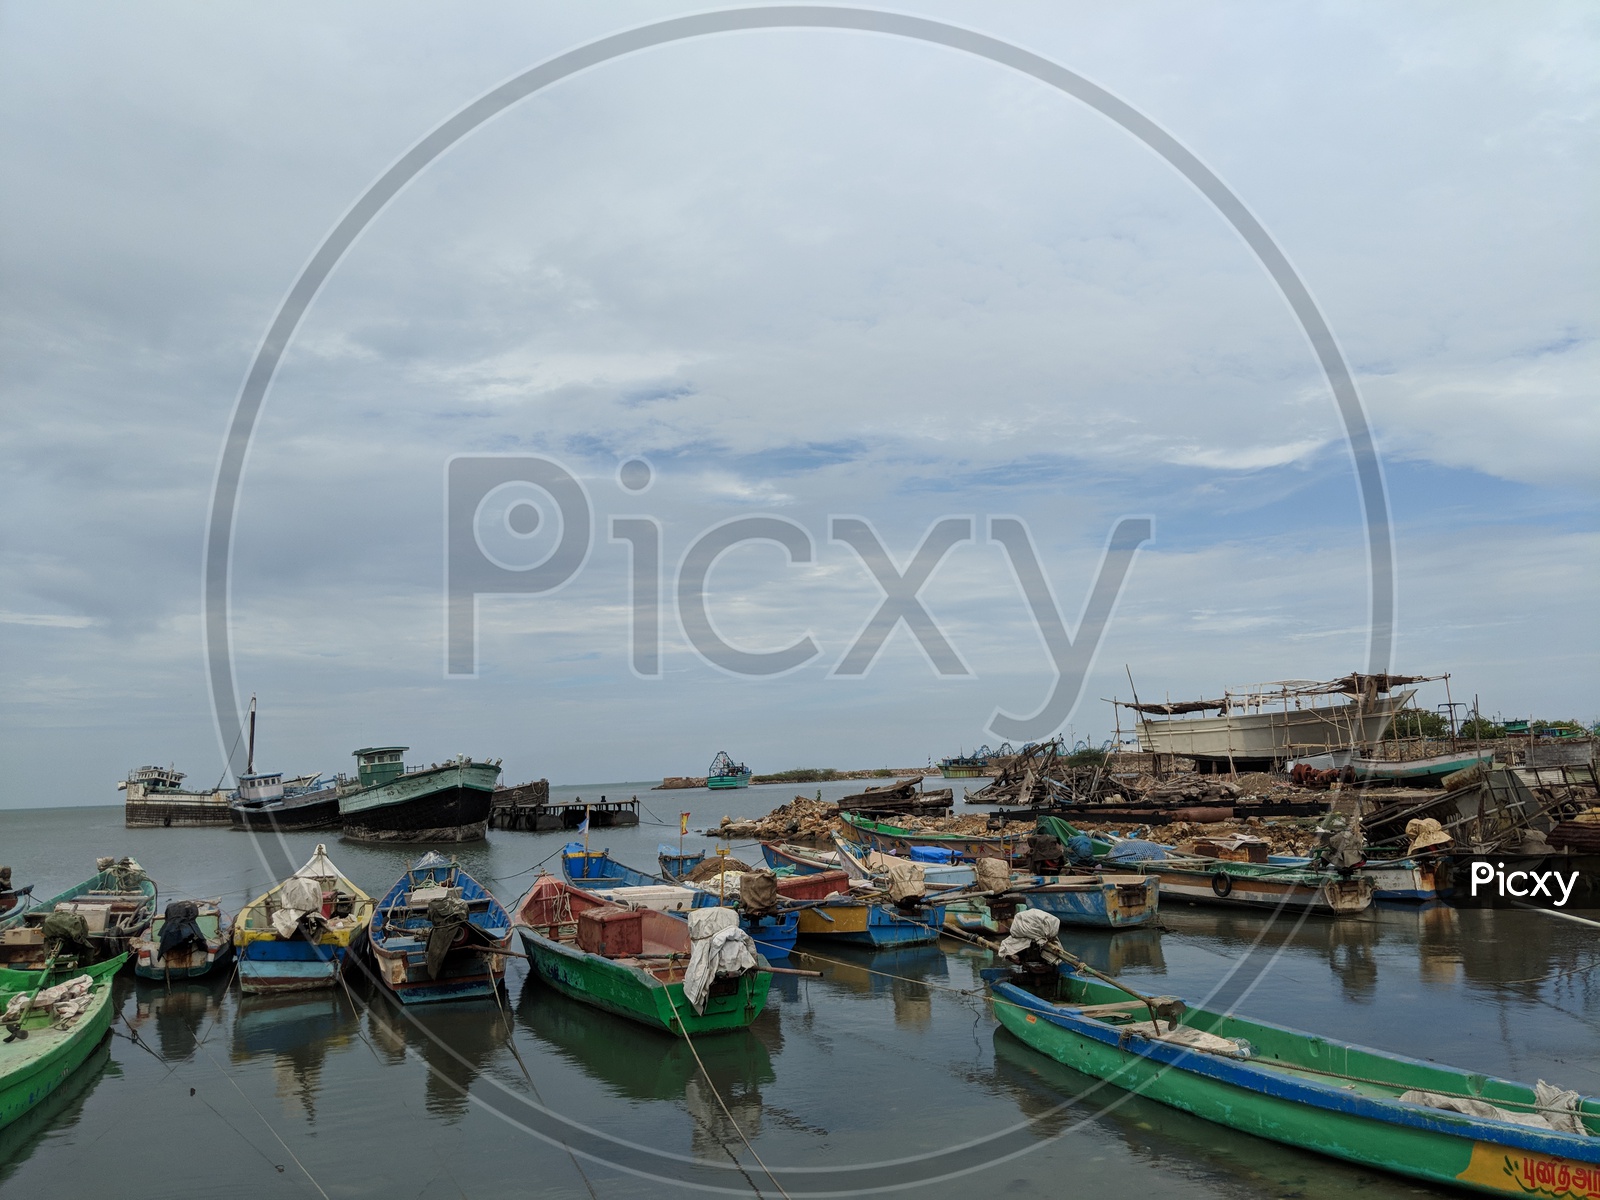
933	854
1136	851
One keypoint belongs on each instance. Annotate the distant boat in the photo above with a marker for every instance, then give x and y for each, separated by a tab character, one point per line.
675	864
297	935
191	938
50	1037
1201	880
629	962
894	839
88	923
1262	725
966	766
154	798
444	802
596	870
436	934
265	803
1420	1119
725	773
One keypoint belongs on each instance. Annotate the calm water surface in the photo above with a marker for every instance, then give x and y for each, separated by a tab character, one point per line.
889	1070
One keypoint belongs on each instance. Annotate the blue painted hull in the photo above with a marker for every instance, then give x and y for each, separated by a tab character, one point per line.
289	966
774	936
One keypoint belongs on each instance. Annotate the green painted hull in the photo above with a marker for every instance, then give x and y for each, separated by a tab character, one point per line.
630	992
1333	1109
720	782
32	1068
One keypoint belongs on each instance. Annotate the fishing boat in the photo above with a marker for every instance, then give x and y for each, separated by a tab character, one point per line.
827	908
1382	1110
266	803
1200	880
788	859
1399	879
1091	900
439	935
191	938
633	962
675	864
298	934
895	839
725	773
773	930
966	766
88	923
10	895
155	798
443	802
1257	727
54	1020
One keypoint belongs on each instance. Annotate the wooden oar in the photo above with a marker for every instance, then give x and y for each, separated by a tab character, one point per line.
15	1031
1148	1001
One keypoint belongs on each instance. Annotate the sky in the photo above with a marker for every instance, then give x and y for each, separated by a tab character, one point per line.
803	274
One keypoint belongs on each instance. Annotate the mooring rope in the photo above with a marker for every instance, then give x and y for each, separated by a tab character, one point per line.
722	1104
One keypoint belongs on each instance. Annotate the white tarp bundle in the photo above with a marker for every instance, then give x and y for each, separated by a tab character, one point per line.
66	1000
299	896
717	946
1029	927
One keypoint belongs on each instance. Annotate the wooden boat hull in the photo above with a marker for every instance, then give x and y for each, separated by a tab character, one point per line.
1105	902
719	783
630	992
270	967
595	870
1341	897
1400	879
450	803
296	814
115	917
891	839
33	1068
397	936
861	923
1416	770
1316	1111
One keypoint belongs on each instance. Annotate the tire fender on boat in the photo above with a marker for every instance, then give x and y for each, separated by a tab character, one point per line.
1221	884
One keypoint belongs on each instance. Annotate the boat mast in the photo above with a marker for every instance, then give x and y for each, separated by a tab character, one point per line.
250	757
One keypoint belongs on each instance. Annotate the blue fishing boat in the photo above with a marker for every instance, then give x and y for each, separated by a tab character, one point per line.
297	935
438	934
595	870
675	864
798	860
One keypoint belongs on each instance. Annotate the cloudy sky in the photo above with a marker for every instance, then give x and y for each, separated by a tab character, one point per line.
804	274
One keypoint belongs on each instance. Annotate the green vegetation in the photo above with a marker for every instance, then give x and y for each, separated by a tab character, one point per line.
1480	729
1415	723
801	775
1087	757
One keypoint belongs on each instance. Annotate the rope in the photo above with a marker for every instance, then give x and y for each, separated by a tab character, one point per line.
535	867
683	1029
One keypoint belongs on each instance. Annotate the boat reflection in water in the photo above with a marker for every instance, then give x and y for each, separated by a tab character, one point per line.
175	1019
56	1115
1113	953
296	1031
1055	1098
1348	944
458	1042
882	973
633	1062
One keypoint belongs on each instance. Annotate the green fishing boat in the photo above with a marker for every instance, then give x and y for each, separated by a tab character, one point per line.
725	773
48	1037
95	920
1365	1106
633	962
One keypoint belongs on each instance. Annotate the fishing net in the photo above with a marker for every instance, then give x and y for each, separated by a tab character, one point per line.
713	867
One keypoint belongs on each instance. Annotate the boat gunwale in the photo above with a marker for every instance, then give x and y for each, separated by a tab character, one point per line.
1260	1077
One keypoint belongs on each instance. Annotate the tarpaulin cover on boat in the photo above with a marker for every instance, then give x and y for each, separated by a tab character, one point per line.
1029	927
758	890
1559	1109
993	874
717	946
905	881
933	854
180	927
447	914
1134	850
300	896
64	928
